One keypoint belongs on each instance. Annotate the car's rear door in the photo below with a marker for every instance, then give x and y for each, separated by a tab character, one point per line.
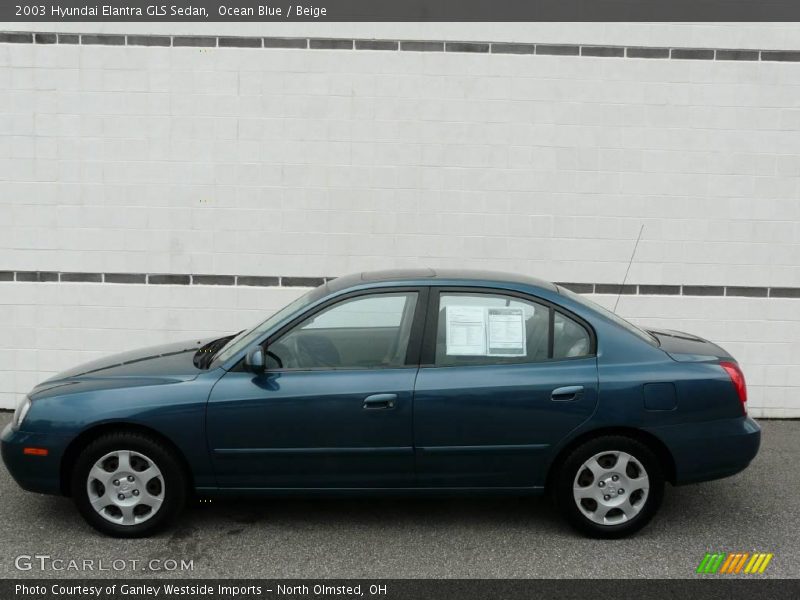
334	408
504	377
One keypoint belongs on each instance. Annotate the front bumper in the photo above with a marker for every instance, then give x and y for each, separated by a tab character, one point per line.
711	449
33	473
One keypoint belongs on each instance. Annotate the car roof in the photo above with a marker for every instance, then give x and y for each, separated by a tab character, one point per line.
432	276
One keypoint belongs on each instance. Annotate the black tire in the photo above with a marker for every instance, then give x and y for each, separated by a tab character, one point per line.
568	474
174	478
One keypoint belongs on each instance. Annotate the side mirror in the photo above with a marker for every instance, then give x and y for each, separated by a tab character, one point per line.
255	360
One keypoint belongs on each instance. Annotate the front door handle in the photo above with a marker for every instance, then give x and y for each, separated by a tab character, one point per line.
565	394
379	401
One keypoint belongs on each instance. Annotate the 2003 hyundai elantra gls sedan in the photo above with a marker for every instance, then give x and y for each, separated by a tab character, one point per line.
395	383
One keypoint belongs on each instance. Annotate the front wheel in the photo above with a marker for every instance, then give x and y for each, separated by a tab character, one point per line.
610	487
128	484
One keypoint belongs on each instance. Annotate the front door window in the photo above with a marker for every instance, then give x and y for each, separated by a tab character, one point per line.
365	332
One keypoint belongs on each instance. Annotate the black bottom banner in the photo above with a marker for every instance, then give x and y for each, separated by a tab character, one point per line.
398	589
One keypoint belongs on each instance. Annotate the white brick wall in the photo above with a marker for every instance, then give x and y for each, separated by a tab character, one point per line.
320	163
49	327
783	36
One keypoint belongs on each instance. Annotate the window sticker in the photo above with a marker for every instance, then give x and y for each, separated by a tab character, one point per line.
482	331
465	330
506	332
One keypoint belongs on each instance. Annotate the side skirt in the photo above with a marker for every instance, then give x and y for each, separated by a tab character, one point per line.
370	492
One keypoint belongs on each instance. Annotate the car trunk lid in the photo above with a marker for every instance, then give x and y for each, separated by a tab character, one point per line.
686	347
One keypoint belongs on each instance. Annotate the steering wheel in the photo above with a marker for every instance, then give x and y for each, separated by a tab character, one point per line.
286	348
308	359
276	358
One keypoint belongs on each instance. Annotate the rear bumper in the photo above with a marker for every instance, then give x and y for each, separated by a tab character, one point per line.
711	449
33	473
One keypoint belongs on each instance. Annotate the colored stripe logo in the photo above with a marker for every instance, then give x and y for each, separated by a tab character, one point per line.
734	563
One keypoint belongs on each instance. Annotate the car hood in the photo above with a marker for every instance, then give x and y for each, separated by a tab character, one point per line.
687	347
157	364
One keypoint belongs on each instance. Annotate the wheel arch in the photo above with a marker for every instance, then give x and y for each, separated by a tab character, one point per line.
651	441
87	436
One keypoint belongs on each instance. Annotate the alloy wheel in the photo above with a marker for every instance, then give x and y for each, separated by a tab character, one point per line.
611	488
125	487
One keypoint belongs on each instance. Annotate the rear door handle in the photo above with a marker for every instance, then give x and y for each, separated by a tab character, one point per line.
565	394
379	401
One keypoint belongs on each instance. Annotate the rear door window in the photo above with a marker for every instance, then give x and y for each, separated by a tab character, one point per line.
486	329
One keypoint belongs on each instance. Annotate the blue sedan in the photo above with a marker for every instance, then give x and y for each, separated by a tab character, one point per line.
397	382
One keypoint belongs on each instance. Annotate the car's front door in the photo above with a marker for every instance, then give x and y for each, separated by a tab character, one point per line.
504	377
334	407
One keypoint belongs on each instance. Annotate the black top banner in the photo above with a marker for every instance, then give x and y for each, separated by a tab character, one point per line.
400	10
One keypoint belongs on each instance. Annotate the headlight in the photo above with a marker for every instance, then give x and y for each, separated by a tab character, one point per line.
21	412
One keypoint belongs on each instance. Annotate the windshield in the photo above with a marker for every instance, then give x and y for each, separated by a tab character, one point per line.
610	315
248	336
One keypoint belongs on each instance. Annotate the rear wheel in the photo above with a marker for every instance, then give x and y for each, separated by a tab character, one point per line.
610	487
128	484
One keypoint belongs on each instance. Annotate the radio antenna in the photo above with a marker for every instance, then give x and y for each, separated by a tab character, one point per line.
628	270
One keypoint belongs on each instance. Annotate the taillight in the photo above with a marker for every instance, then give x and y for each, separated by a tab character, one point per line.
737	378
